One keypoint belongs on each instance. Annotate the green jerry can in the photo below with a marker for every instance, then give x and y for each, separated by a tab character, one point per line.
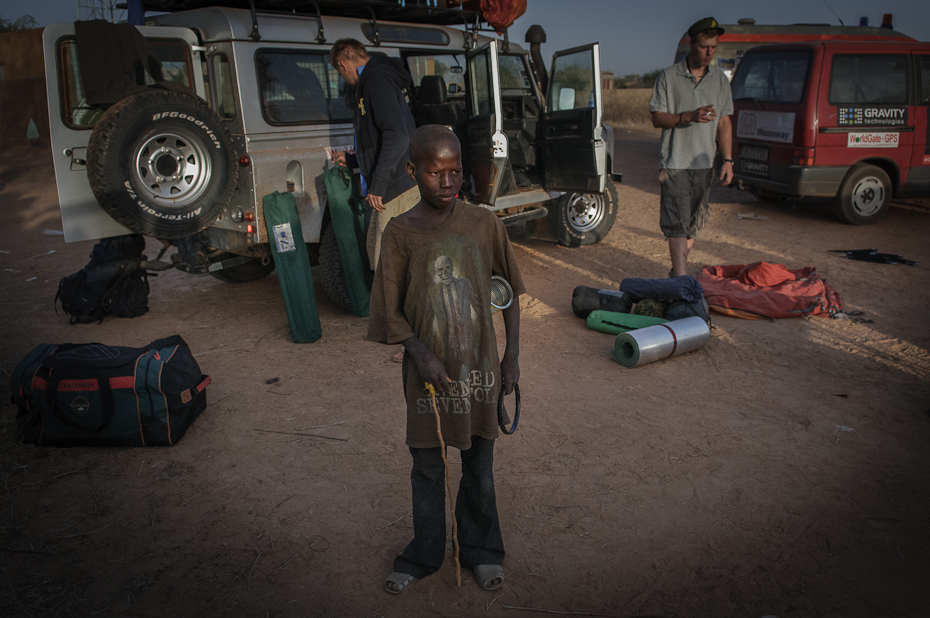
293	265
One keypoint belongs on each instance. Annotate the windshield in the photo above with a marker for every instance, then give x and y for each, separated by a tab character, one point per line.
772	76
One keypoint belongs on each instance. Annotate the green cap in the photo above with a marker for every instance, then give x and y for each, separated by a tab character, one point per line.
702	25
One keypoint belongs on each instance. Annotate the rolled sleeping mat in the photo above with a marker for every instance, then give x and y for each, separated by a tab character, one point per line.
585	300
614	323
654	343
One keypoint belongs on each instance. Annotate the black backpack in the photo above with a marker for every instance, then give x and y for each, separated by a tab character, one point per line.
112	283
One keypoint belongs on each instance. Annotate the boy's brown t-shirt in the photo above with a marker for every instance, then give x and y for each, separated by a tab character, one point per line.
436	284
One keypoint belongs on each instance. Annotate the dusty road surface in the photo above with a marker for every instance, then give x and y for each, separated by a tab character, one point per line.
780	471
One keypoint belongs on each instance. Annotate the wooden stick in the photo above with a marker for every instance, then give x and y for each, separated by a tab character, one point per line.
445	463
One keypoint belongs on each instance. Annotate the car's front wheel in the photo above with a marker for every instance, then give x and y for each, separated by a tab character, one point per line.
586	218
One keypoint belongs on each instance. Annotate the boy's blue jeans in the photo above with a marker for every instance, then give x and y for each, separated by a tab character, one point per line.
480	540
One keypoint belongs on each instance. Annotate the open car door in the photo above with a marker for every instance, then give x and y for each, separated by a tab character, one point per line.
574	151
71	121
487	144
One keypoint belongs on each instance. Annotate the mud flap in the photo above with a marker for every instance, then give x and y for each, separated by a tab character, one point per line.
545	228
293	265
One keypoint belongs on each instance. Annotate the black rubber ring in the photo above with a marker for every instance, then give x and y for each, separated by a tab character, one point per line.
500	410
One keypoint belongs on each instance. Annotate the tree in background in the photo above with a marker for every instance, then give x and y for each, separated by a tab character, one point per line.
23	23
649	79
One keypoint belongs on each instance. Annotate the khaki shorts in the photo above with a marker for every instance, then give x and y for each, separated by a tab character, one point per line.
379	220
684	209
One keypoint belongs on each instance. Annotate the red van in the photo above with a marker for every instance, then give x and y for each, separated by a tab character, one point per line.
834	118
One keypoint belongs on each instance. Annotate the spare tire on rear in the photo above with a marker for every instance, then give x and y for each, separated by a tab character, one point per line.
162	163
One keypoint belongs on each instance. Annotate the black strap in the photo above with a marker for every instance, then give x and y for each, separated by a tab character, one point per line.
500	409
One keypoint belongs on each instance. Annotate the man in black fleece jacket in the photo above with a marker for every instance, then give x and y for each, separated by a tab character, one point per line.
383	126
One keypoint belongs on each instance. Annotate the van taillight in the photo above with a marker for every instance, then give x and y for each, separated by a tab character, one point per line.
803	156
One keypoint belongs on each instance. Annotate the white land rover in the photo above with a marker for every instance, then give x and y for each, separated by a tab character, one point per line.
269	113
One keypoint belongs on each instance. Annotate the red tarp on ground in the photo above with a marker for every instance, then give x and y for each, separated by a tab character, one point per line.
763	290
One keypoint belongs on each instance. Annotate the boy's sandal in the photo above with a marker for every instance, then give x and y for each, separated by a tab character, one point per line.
489	576
398	582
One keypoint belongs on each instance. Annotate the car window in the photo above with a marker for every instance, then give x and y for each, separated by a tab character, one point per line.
772	76
923	63
451	67
513	73
479	77
868	78
300	88
572	81
76	113
222	75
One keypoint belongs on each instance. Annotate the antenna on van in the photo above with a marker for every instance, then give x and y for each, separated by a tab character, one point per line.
834	12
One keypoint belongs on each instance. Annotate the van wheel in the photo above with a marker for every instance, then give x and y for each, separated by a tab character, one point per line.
162	164
586	218
864	196
253	270
334	278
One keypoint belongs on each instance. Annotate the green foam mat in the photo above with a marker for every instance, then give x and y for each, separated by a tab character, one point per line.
615	323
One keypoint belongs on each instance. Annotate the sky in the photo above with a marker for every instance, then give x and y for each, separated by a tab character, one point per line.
635	36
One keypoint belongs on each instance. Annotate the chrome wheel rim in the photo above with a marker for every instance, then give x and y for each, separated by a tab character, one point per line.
586	211
172	168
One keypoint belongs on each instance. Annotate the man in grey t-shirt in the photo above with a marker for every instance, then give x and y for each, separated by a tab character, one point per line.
691	103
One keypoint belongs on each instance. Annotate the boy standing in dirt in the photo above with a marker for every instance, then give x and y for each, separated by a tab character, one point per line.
432	294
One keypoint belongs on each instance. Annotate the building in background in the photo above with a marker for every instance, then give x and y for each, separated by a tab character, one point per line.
23	103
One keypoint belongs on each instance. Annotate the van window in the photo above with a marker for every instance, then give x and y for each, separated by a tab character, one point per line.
222	76
449	66
390	33
777	77
480	80
300	88
513	73
923	63
573	81
868	79
77	114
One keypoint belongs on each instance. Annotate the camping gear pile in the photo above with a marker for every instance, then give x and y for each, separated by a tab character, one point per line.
653	319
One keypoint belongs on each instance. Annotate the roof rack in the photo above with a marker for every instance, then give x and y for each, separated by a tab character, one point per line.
406	11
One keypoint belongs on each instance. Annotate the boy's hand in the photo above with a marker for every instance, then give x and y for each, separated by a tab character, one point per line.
430	368
341	159
432	371
510	373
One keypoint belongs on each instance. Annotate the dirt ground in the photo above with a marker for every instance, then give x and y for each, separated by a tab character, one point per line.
779	471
